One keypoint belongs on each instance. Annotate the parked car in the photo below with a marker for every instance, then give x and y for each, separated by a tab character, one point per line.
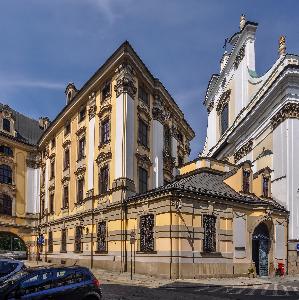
51	283
8	267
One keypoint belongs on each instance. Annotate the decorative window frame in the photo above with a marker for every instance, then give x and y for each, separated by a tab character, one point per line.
7	113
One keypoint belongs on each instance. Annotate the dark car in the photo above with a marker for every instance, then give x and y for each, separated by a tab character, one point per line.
52	283
8	267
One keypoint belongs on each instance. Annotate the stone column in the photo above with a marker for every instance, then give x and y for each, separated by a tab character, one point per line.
125	129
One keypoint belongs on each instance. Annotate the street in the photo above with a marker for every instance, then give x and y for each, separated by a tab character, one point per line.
287	290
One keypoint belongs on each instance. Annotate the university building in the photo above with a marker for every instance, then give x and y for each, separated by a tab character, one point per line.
112	181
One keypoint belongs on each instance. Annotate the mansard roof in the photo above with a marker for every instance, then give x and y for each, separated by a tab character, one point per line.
210	183
27	129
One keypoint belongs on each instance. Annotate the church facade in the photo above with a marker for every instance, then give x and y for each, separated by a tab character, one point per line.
254	118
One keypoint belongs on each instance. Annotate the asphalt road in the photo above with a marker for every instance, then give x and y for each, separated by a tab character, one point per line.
277	291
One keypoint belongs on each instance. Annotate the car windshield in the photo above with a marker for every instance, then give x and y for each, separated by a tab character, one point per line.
11	280
7	267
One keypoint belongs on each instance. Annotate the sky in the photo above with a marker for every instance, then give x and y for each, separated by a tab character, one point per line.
46	44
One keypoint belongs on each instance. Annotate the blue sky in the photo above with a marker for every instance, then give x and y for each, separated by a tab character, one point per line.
46	44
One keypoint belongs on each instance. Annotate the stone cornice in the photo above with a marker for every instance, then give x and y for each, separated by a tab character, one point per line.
288	111
244	150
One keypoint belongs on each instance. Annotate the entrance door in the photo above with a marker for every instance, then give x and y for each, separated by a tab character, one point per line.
260	249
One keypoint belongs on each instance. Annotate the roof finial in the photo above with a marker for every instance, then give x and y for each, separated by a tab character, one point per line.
242	21
282	45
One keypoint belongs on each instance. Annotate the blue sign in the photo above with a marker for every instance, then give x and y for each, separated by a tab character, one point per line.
40	240
297	247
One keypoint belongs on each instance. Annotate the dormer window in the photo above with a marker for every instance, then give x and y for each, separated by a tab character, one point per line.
246	181
6	150
82	114
6	125
106	91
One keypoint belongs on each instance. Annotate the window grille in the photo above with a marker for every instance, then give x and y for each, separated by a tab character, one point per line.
147	233
101	237
63	240
78	239
209	224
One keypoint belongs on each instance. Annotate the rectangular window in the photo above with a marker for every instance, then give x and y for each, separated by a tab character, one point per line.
246	181
142	133
266	186
142	180
63	241
66	162
80	192
101	237
143	95
105	131
81	148
67	128
180	137
65	201
78	239
106	91
209	224
82	114
224	119
50	242
51	204
52	175
104	180
147	233
42	206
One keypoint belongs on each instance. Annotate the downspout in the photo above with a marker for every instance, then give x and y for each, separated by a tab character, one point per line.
170	235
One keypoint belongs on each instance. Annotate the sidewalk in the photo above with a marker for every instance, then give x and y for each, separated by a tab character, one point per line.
153	282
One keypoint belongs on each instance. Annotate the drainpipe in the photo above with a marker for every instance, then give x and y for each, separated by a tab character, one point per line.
170	235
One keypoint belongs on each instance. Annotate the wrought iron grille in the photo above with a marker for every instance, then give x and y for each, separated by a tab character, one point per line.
63	240
78	239
147	233
101	237
209	224
50	242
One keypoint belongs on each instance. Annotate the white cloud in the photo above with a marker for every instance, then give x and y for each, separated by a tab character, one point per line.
18	82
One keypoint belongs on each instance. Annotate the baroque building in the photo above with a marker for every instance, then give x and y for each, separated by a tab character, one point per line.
19	181
254	118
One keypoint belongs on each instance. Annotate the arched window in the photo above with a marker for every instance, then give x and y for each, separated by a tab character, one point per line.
5	174
6	150
5	205
6	125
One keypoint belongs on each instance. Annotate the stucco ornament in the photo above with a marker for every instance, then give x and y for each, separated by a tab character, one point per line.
288	111
282	45
125	82
245	149
242	21
239	57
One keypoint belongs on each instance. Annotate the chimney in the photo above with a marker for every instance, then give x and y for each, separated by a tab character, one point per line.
44	122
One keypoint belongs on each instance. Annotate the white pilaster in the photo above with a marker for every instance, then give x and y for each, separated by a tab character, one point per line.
32	190
47	183
91	145
157	154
